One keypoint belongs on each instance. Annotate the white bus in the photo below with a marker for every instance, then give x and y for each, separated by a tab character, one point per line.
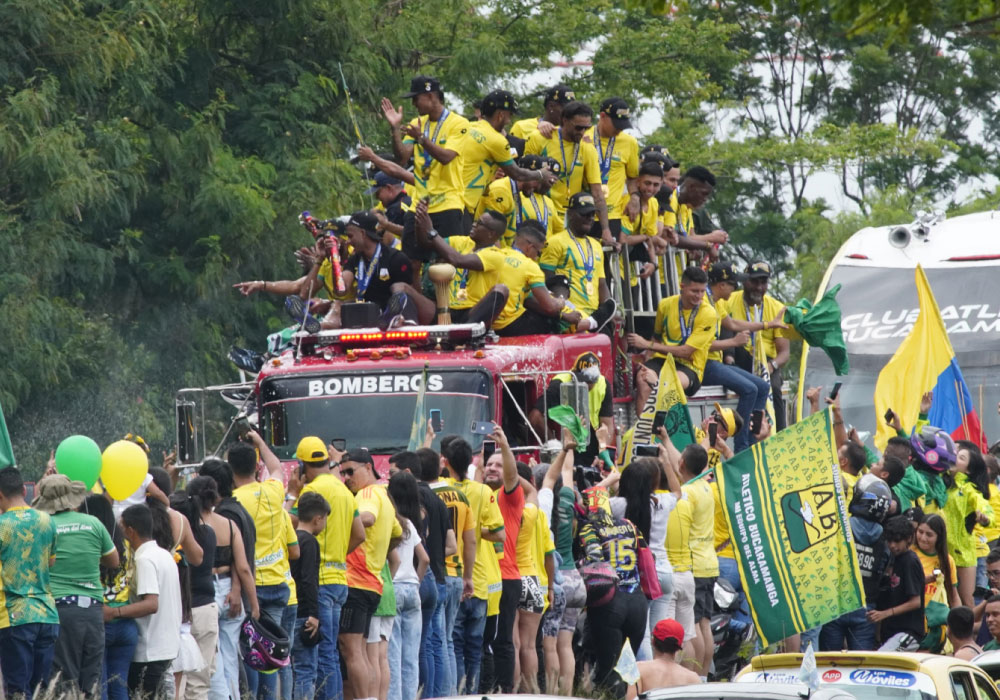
961	257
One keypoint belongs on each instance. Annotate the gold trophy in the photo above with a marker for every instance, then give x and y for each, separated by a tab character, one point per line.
441	275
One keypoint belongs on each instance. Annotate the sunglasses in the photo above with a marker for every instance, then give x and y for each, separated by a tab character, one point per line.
347	471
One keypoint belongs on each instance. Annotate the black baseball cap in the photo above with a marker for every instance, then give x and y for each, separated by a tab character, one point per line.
560	93
422	84
533	161
365	221
617	109
498	99
758	269
722	271
557	281
382	180
582	202
361	455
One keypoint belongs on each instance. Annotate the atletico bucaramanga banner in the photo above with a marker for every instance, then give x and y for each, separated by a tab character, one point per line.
788	523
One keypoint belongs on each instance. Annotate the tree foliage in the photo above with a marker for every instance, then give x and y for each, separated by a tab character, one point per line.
153	153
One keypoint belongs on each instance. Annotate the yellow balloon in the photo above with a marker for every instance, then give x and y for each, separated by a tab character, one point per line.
124	465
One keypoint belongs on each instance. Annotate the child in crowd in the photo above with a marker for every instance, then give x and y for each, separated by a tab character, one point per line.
313	511
901	601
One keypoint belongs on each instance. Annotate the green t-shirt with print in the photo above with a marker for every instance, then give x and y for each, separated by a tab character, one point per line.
81	541
27	542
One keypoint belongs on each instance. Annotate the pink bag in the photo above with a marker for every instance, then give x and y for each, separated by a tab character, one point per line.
649	581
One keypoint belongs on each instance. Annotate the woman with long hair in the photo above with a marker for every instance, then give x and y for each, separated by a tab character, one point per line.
931	547
649	495
230	570
404	673
968	503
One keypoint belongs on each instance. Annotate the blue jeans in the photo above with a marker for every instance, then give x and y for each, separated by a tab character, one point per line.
329	682
453	584
852	627
120	639
26	653
657	611
404	671
467	639
288	618
303	664
730	570
432	613
752	390
273	601
226	679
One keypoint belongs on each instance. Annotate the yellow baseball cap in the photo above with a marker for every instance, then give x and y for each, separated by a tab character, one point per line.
726	414
311	449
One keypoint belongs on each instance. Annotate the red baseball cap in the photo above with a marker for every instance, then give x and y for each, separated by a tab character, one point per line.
669	629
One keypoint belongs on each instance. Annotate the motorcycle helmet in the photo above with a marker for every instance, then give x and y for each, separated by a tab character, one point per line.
724	594
934	449
263	644
872	498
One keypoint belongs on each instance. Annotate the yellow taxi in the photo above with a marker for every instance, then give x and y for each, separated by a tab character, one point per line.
877	675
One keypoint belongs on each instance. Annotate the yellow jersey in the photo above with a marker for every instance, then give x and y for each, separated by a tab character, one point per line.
543	546
580	167
767	311
364	564
503	196
645	224
581	259
442	182
486	579
701	538
698	330
679	216
722	541
721	307
524	128
334	538
678	536
618	159
485	149
520	274
458	292
265	502
462	520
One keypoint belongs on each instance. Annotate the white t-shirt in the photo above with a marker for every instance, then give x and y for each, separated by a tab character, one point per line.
136	498
406	572
662	504
159	633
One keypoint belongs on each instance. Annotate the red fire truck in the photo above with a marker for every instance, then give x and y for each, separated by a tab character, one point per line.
361	386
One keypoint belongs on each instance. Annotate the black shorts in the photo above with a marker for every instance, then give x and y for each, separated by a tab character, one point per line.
704	598
446	223
614	224
656	364
357	612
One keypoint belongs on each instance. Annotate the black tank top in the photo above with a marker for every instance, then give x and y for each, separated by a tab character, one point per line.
202	581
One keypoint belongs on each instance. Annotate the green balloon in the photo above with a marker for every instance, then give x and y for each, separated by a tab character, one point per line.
79	458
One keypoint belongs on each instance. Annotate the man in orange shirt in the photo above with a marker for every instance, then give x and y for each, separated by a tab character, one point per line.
364	571
500	474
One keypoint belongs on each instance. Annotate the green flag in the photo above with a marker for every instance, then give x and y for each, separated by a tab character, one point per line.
419	426
6	450
567	418
788	523
819	326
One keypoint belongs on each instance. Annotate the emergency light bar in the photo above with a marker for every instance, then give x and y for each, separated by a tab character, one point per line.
412	336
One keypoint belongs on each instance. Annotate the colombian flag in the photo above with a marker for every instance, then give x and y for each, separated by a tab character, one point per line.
925	361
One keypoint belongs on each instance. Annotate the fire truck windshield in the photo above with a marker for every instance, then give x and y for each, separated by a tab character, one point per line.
372	409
